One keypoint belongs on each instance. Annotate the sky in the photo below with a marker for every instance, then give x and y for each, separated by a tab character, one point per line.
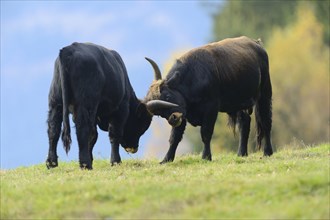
33	32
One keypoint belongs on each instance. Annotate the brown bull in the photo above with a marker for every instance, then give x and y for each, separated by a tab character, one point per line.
230	76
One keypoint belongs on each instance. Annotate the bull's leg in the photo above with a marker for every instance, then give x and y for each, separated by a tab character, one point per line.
175	138
268	150
83	130
115	134
210	116
54	129
92	141
116	130
115	156
244	120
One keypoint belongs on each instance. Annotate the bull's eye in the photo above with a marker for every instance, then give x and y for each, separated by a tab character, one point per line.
167	97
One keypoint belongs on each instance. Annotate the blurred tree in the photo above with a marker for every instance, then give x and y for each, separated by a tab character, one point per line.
253	18
299	67
257	18
322	11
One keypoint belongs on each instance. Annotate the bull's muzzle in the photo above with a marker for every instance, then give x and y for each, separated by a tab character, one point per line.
131	150
175	119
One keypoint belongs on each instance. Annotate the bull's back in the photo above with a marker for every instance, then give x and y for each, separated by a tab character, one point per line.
95	73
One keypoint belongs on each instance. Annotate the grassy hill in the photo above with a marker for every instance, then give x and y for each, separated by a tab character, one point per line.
290	184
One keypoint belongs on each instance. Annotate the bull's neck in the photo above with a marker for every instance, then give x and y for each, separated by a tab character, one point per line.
134	101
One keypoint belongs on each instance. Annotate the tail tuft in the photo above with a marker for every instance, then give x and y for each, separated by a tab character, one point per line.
232	121
66	138
260	130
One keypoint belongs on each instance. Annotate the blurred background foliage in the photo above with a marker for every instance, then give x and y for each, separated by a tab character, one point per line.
296	36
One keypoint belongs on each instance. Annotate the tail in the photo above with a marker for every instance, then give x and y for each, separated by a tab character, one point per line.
66	137
232	121
263	108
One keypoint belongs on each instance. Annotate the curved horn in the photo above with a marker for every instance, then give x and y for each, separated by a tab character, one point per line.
158	75
159	104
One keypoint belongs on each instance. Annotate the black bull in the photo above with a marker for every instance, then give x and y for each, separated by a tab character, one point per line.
229	76
91	82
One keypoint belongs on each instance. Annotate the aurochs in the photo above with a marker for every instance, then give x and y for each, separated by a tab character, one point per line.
92	84
230	76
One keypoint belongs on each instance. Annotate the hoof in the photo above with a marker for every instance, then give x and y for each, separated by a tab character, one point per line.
207	157
85	166
51	164
268	152
242	154
115	163
166	160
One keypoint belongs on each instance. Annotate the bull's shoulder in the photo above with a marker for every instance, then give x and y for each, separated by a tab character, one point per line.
87	49
233	41
78	51
235	44
89	53
223	47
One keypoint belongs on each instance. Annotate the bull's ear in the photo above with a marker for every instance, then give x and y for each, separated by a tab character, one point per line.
174	80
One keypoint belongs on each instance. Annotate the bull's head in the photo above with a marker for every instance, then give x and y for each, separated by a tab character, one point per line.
137	123
163	99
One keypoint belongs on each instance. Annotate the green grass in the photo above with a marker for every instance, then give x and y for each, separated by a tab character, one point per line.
290	184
